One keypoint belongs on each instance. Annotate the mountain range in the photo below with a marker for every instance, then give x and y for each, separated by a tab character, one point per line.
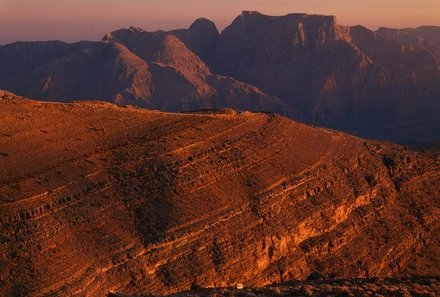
381	84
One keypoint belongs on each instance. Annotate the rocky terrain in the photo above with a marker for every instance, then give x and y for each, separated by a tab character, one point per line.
98	198
416	286
382	85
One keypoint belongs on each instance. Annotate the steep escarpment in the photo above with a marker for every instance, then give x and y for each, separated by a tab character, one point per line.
256	38
348	78
426	37
137	201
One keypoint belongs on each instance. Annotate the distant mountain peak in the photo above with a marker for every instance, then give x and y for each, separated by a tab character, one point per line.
203	23
250	12
136	29
247	13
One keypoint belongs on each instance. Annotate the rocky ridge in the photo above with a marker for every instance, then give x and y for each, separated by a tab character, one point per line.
120	199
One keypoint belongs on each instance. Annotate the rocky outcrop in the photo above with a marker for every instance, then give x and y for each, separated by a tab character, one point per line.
255	39
201	38
116	199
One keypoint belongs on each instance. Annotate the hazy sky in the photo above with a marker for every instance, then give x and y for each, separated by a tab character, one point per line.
72	20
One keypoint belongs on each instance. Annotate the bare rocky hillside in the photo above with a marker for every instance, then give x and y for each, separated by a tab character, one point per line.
96	198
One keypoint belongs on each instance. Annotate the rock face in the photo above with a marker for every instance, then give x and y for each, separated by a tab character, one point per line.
97	71
346	78
253	37
137	201
153	70
201	38
207	90
426	37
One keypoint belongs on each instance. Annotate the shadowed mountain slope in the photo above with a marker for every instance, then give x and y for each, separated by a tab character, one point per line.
426	37
201	38
97	71
24	56
158	71
165	48
97	198
341	77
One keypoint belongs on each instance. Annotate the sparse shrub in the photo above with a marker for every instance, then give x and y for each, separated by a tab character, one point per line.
315	276
371	181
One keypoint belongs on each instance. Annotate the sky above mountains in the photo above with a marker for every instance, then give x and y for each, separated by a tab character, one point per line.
90	19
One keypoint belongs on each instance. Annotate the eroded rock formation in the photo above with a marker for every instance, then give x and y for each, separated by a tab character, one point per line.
97	198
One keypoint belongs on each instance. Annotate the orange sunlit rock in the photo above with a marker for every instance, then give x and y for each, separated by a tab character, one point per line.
96	198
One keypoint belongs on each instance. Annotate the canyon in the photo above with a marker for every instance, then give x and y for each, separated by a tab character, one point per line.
97	198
